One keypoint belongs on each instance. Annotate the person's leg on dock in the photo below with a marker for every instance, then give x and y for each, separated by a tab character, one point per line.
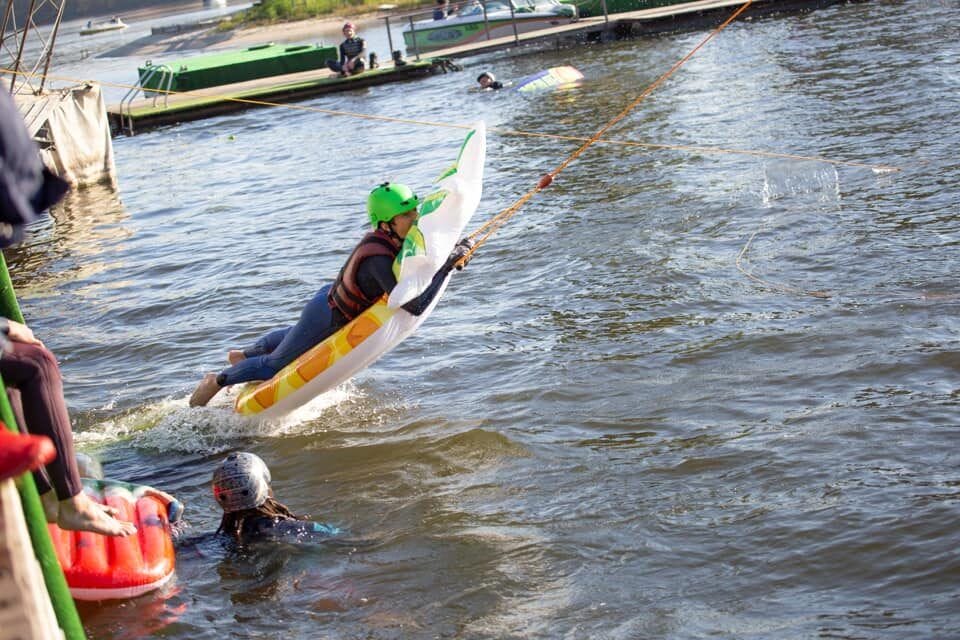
33	371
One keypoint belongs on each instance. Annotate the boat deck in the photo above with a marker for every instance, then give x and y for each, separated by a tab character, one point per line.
143	114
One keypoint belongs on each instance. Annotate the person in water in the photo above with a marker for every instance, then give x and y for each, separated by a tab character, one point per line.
351	53
488	81
241	486
366	276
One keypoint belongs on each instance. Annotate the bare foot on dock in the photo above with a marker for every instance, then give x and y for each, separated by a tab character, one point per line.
80	513
207	388
235	356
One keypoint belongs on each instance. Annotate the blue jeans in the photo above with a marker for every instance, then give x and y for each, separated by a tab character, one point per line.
278	348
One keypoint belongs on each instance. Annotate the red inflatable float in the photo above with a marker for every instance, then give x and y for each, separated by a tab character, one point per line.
99	567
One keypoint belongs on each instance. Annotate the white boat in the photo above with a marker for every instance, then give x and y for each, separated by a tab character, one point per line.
113	24
470	24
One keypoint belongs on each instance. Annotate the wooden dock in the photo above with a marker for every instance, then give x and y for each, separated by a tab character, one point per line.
686	16
147	113
139	115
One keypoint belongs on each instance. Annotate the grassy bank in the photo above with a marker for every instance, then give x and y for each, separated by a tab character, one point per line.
274	11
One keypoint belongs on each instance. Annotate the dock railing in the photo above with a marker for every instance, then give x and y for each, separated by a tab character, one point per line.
162	90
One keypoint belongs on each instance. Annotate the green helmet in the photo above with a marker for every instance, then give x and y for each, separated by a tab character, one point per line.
390	200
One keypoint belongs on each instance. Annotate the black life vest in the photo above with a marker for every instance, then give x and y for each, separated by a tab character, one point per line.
346	294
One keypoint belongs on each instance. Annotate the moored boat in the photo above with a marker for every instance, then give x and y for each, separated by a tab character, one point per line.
260	61
113	24
472	23
590	8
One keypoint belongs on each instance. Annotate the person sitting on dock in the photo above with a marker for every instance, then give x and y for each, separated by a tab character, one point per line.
366	276
241	486
488	81
351	53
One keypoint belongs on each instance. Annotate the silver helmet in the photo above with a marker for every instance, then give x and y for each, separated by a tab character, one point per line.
242	481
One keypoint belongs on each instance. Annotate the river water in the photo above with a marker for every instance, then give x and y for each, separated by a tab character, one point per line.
607	429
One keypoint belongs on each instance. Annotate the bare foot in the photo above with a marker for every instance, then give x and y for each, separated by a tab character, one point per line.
207	388
235	356
113	512
51	506
80	513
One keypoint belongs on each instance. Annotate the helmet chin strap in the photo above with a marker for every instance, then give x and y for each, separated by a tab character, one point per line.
393	232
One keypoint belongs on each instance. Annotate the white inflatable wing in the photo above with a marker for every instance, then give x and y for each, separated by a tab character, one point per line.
444	215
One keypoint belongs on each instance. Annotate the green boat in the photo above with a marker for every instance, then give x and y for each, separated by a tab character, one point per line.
477	21
230	67
590	8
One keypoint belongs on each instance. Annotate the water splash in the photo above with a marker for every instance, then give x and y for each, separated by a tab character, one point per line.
172	426
782	179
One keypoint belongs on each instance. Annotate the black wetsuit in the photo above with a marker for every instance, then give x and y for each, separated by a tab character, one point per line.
349	48
285	528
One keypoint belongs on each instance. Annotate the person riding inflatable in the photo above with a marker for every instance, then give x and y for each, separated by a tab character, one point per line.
365	277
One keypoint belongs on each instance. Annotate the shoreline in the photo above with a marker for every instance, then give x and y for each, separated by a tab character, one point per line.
299	32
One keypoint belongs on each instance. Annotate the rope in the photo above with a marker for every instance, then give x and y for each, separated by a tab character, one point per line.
879	168
483	233
773	285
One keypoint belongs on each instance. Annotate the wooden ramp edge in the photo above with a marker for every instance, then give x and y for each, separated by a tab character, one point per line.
25	609
148	113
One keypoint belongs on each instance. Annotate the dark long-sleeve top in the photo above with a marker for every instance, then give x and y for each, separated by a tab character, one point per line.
375	277
351	48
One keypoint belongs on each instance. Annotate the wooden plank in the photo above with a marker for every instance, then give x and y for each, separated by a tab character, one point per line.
36	109
25	608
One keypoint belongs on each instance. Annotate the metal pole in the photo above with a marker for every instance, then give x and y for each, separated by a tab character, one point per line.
23	41
63	606
486	23
53	39
413	34
389	39
606	18
9	308
513	21
6	18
